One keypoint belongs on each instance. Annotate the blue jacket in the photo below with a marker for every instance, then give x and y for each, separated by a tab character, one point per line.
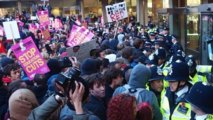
69	114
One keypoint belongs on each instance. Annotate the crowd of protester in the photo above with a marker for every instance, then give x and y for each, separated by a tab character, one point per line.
137	72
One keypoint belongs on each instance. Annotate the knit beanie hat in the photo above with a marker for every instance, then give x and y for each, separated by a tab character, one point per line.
21	103
5	61
89	66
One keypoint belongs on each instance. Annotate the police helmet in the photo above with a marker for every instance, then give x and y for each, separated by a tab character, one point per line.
161	53
201	96
156	73
190	60
178	71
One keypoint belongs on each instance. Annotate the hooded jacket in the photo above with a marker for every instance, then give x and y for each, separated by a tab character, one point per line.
138	78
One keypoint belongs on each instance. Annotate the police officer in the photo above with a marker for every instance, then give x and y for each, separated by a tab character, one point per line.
195	76
200	97
168	38
173	103
175	46
155	83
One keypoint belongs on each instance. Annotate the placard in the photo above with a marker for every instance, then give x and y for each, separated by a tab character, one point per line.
46	34
79	35
57	24
30	58
82	51
43	18
11	30
116	12
33	28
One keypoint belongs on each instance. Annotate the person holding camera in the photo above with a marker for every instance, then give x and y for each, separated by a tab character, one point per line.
96	102
72	109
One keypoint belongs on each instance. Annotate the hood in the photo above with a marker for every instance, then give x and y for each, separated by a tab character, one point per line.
139	76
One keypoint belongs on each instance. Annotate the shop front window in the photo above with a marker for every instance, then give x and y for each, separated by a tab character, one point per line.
165	3
193	2
192	34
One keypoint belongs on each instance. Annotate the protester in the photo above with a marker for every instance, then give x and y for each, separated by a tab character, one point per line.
95	102
122	107
114	79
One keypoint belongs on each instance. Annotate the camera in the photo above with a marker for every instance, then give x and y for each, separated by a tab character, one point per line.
67	81
65	62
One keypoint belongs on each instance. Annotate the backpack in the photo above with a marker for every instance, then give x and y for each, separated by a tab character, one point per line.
132	91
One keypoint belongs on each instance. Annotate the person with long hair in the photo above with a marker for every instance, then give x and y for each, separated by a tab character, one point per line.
144	111
122	107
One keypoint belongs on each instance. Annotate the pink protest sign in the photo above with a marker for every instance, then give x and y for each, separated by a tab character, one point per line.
33	28
1	31
46	34
30	58
79	35
57	24
43	18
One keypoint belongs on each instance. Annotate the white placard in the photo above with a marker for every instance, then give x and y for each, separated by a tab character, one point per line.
116	12
11	30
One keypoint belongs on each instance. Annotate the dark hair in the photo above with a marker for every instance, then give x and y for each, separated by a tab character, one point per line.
40	79
15	85
111	74
96	78
10	67
127	52
137	43
1	76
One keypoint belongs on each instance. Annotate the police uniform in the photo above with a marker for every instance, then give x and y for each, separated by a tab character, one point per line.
201	97
173	104
156	74
196	76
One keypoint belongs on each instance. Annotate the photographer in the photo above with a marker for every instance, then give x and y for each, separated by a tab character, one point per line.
71	81
55	101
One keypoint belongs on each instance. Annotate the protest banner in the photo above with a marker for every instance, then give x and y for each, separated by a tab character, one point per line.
57	24
33	28
79	35
11	30
30	58
116	12
43	18
46	34
82	51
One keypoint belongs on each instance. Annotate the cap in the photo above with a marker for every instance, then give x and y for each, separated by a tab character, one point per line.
152	34
156	73
201	96
165	28
178	71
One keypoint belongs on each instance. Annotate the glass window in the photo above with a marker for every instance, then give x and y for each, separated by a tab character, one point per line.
165	3
193	2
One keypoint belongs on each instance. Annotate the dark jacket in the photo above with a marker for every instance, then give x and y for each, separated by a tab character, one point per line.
3	102
97	106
